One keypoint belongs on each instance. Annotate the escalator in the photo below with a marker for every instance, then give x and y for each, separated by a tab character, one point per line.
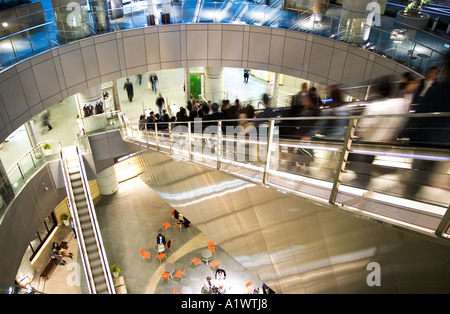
93	257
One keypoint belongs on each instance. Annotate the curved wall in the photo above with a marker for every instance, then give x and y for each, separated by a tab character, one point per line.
28	210
31	86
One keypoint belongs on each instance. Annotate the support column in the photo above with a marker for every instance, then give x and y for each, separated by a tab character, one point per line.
90	98
72	20
214	83
187	85
107	181
99	13
353	26
274	82
151	20
6	190
31	132
116	9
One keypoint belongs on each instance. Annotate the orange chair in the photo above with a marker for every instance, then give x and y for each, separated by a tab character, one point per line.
165	224
178	225
161	256
248	283
180	273
165	276
195	261
249	287
211	248
214	264
142	252
146	255
172	212
211	243
176	292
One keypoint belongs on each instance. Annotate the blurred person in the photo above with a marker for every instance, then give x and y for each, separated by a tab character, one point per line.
45	119
142	121
160	103
378	130
425	84
429	131
128	86
333	129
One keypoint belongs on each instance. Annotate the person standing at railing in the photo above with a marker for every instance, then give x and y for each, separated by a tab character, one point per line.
142	122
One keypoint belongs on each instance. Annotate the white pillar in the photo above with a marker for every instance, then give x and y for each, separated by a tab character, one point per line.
107	181
214	83
353	22
90	97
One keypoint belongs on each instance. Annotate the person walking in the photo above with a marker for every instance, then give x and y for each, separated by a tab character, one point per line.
129	88
153	79
160	103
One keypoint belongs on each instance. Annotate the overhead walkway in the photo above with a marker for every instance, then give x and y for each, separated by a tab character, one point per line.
91	249
323	169
419	49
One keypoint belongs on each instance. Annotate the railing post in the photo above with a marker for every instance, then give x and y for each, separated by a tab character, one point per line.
269	145
444	225
343	159
170	139
219	144
156	136
189	142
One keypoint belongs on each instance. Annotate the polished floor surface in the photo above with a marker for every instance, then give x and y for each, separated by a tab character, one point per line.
130	220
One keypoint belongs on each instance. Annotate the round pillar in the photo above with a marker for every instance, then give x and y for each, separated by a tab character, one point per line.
107	181
214	83
91	120
353	26
99	13
72	19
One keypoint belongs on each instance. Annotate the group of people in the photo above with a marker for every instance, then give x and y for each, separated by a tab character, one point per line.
128	86
90	110
57	253
216	286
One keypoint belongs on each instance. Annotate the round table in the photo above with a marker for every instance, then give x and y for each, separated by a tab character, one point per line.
422	56
169	268
206	254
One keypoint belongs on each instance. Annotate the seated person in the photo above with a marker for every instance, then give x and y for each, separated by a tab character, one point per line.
57	256
60	250
220	274
222	289
207	285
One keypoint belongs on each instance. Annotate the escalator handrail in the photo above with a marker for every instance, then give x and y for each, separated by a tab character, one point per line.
74	214
94	221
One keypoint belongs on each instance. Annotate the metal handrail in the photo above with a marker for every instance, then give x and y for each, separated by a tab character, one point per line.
343	147
146	8
97	234
74	215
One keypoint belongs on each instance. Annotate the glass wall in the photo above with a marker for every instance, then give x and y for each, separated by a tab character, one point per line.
42	233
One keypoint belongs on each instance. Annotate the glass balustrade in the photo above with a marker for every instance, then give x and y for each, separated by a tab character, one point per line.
23	170
414	48
291	154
